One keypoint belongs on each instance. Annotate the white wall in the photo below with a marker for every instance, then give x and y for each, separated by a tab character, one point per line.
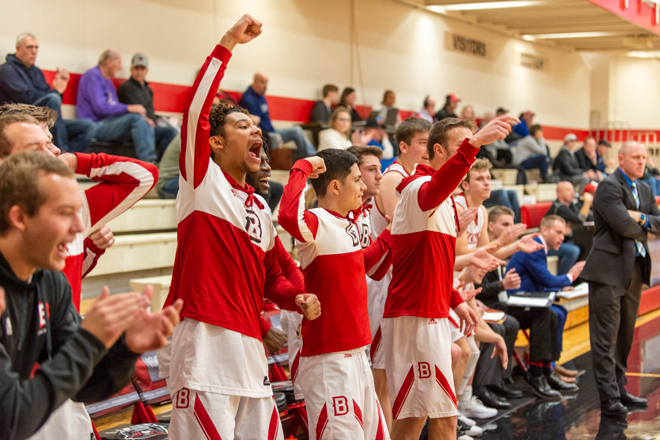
635	92
306	43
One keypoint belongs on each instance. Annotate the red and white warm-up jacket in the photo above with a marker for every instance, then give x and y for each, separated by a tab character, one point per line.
424	232
334	266
225	263
123	181
364	222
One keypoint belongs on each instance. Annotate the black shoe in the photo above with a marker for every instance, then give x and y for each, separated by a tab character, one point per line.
560	385
503	391
508	381
614	408
541	388
630	400
489	399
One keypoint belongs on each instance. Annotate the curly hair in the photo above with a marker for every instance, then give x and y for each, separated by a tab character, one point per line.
218	115
41	114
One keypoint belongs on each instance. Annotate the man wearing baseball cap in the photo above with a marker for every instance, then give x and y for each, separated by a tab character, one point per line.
567	166
137	91
451	103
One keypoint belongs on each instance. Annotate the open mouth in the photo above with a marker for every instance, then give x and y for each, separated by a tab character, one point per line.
255	150
62	250
264	181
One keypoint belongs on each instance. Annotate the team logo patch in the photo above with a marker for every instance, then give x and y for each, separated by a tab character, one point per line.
352	232
432	321
340	405
266	381
364	236
253	227
424	370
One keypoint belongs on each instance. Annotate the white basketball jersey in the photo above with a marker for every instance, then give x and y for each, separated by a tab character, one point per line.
474	229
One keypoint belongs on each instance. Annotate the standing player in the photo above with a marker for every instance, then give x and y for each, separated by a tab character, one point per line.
417	333
334	371
224	264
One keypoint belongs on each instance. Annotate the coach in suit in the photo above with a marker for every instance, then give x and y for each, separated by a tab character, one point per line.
624	211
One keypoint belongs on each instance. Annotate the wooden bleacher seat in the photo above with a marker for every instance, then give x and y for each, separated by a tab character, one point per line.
147	215
544	192
508	176
137	252
161	287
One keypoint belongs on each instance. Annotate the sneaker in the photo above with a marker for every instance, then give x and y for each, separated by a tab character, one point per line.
460	435
475	409
472	431
466	420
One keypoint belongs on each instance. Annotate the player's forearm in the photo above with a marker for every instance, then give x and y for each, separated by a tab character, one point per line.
292	205
376	250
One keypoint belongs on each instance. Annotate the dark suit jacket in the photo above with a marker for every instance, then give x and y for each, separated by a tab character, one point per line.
612	256
534	273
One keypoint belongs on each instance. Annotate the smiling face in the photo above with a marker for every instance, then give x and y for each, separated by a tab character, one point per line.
351	190
239	147
455	138
259	180
371	175
416	151
46	235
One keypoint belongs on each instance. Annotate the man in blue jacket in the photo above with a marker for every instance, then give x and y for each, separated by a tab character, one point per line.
545	327
22	82
98	101
254	101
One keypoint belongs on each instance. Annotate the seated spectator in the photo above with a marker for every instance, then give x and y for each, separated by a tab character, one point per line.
337	135
348	99
428	110
137	91
532	152
168	170
322	109
389	99
526	120
535	277
374	131
254	100
507	198
87	359
97	100
575	214
588	159
22	82
566	165
467	113
451	104
513	137
651	176
601	151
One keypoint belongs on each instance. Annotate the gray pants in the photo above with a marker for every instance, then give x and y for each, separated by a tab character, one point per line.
612	315
489	371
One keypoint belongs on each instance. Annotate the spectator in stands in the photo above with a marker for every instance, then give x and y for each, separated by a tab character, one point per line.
532	152
566	165
379	138
74	357
322	110
428	110
467	113
97	100
651	176
535	277
386	106
588	159
348	99
22	82
337	136
254	100
451	103
601	151
526	120
575	214
507	198
137	91
168	171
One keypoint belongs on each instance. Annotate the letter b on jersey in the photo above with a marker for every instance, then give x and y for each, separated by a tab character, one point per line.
183	398
340	405
424	370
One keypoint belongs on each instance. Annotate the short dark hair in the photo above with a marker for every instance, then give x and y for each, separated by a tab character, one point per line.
535	128
498	211
41	114
548	220
360	151
218	115
329	88
6	121
20	182
438	133
409	128
338	165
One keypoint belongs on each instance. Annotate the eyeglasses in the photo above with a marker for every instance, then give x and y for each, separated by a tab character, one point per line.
344	119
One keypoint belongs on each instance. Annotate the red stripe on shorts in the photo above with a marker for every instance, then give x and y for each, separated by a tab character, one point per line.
358	413
274	426
453	322
205	421
380	432
403	393
375	344
294	367
444	384
322	422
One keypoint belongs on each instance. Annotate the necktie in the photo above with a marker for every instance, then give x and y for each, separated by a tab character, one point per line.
638	245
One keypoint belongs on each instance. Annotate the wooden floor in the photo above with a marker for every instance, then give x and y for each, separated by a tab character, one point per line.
576	343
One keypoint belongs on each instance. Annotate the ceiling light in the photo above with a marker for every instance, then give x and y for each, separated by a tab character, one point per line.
486	5
571	35
654	54
528	38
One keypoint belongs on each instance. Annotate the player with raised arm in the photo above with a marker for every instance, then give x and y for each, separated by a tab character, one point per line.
334	372
417	333
224	266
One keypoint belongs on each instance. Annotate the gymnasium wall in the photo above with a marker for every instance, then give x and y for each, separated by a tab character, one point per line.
306	43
